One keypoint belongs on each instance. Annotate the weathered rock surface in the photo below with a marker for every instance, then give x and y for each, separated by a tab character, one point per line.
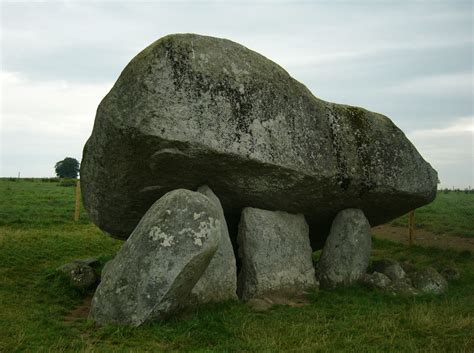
376	280
415	282
346	254
219	281
80	274
158	266
192	110
402	286
390	268
275	252
429	281
398	286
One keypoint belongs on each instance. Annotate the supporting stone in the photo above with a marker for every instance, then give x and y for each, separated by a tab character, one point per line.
156	269
219	281
276	254
346	253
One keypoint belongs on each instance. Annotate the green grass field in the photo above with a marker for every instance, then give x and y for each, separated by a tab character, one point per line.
450	213
37	234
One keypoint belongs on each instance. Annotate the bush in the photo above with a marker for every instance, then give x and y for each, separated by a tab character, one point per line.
53	180
67	182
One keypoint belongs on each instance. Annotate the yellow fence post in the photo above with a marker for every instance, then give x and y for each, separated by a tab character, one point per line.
77	212
411	227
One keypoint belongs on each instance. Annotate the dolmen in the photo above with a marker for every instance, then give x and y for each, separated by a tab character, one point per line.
223	174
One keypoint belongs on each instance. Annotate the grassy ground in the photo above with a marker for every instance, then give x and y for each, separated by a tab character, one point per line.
36	204
35	303
450	213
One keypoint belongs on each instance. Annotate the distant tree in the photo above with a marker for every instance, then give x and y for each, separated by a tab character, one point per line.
67	168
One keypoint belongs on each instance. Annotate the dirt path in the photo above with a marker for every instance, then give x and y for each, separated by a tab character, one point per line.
423	238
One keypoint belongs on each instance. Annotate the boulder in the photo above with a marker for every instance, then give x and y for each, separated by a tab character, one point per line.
158	266
275	252
390	268
402	286
81	275
398	286
346	254
375	280
192	110
429	281
219	281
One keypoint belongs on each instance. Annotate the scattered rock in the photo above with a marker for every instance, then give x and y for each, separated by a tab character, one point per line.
398	286
408	267
158	266
402	286
275	252
80	275
450	274
404	279
219	281
429	281
190	108
390	268
425	281
345	256
376	280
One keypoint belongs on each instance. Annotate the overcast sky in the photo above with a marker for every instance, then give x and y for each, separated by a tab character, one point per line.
411	61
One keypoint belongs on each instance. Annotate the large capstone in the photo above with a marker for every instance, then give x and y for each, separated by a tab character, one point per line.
157	267
191	110
276	254
219	281
346	254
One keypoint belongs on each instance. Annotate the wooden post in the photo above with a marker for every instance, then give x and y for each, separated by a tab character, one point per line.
77	212
411	227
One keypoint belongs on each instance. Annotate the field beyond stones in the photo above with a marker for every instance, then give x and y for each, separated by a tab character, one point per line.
40	312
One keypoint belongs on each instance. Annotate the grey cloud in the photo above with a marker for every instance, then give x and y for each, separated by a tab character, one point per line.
361	53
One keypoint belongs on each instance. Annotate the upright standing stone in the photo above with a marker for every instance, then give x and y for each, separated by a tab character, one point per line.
275	252
346	254
156	269
219	281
